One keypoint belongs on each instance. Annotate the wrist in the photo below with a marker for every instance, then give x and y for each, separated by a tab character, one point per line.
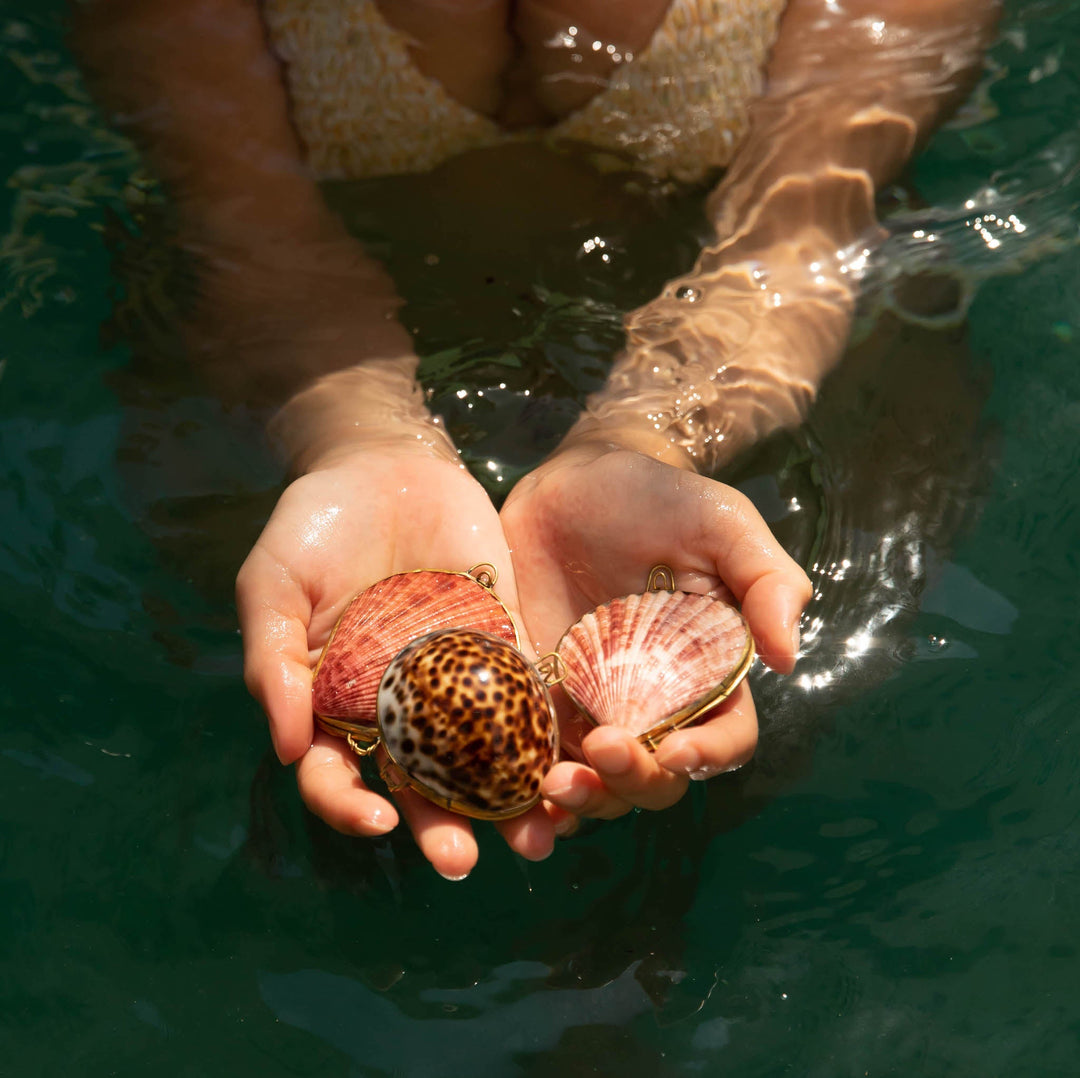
611	427
725	356
375	406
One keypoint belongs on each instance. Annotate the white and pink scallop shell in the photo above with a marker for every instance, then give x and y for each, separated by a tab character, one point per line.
641	661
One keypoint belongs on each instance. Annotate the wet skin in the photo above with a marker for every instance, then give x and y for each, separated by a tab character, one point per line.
367	515
582	529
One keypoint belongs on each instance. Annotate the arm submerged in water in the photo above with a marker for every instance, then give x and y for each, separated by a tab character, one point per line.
290	315
730	353
738	347
284	296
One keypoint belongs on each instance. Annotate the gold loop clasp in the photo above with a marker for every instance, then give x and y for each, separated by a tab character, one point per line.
485	574
661	578
551	668
362	746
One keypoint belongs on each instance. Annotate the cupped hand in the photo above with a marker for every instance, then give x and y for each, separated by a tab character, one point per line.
336	530
587	526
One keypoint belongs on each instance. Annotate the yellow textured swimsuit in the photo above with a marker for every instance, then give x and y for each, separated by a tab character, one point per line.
362	108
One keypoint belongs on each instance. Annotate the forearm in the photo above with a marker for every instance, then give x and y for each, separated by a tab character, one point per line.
699	382
196	87
284	299
853	88
739	346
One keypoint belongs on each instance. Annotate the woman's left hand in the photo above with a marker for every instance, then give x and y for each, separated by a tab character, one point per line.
587	526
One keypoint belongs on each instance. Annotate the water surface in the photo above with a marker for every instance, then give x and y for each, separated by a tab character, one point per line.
893	887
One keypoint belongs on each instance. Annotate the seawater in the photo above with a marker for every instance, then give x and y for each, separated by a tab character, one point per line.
891	889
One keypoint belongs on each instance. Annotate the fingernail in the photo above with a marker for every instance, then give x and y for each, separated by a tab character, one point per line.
685	760
569	797
567	826
711	772
791	607
285	758
380	821
613	757
452	878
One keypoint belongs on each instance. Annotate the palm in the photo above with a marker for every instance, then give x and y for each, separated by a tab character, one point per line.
585	530
372	517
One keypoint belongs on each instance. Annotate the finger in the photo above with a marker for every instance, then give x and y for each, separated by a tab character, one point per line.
564	823
769	584
274	613
330	785
578	789
630	771
444	837
773	607
721	744
531	835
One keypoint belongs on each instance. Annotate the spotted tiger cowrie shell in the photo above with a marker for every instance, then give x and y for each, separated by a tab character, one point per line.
467	721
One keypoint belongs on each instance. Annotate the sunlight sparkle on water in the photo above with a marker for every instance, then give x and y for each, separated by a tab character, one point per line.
813	629
859	644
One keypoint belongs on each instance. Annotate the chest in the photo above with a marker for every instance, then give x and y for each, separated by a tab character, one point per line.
524	62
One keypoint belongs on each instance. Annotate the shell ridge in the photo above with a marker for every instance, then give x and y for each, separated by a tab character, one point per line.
621	683
639	660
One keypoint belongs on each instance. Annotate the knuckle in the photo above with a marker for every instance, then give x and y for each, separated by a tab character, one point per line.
244	586
254	676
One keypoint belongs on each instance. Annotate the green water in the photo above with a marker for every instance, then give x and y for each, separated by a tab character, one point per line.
893	889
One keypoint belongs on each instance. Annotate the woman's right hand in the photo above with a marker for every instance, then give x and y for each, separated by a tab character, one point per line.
359	517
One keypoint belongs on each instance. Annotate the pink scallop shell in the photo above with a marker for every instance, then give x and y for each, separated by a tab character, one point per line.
379	622
652	661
